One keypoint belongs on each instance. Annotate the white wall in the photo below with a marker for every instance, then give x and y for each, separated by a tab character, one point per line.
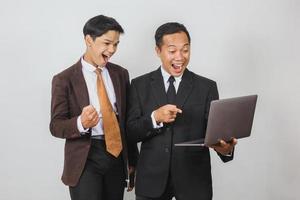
247	46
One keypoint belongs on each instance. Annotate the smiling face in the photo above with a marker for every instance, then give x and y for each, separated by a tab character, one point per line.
174	53
101	48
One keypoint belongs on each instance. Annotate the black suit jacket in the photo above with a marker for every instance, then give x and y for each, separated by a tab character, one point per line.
189	166
69	97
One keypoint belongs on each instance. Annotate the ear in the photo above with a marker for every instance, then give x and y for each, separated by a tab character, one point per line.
88	40
158	51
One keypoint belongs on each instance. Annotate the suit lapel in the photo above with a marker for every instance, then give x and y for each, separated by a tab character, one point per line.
79	86
158	88
185	88
116	83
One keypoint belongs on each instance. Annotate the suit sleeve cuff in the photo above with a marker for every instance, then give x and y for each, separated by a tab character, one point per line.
229	155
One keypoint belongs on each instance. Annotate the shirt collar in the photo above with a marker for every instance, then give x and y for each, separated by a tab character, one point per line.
166	75
89	67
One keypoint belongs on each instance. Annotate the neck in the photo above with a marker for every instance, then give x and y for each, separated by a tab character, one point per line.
88	58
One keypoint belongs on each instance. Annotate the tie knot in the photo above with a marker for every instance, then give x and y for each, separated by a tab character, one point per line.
171	79
98	71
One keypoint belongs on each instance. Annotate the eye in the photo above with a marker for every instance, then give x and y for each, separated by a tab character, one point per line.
185	50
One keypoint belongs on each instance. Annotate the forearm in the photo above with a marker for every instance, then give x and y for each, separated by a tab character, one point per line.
63	124
65	128
139	128
139	123
133	154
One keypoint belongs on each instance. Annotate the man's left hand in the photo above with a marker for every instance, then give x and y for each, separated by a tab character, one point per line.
131	172
225	148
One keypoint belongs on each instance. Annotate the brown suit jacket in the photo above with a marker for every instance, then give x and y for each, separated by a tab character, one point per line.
69	96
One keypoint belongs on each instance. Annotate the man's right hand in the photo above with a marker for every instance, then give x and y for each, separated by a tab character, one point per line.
166	113
89	117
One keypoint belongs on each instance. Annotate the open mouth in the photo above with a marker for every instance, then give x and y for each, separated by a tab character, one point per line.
105	58
177	66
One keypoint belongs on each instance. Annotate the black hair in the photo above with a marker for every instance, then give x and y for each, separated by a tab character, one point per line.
169	28
99	25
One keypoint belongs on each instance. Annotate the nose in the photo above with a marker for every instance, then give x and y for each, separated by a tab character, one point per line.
178	55
111	48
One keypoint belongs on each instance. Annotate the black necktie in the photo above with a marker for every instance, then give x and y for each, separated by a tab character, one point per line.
171	93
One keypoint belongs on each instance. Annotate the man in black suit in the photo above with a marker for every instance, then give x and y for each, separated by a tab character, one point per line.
167	106
88	108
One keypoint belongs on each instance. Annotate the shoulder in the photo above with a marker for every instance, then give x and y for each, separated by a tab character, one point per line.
68	72
202	80
145	78
116	67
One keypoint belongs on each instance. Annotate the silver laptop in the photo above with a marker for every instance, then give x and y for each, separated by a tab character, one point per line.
227	118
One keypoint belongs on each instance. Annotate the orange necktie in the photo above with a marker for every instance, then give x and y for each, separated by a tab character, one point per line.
110	123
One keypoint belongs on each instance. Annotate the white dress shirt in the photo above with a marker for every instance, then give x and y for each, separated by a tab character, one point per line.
90	78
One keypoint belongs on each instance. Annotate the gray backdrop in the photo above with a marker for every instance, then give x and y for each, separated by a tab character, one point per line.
247	46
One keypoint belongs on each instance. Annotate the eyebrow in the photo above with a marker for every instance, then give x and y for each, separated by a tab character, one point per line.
108	40
172	45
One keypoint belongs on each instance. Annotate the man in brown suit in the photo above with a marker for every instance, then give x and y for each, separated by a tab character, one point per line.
78	114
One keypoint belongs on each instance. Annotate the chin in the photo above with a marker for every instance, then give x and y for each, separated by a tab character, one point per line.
101	64
177	73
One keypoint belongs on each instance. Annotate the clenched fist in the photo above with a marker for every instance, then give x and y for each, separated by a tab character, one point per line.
89	117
